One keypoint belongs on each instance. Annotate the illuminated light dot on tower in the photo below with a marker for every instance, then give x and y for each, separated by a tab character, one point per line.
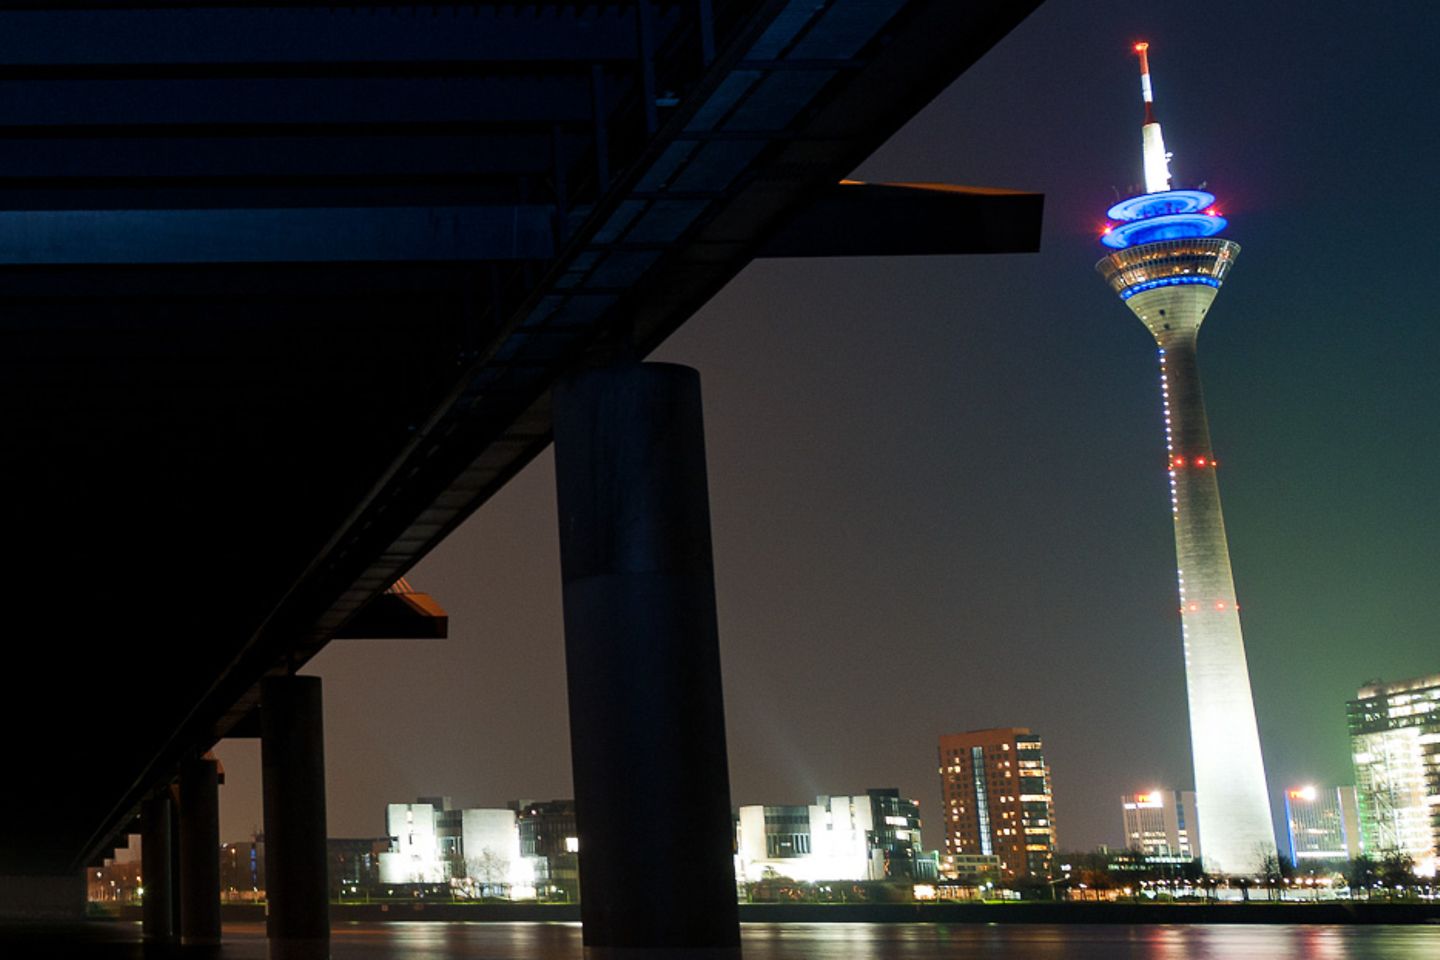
1167	264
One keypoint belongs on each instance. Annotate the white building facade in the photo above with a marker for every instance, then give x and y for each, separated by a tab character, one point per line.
834	838
475	851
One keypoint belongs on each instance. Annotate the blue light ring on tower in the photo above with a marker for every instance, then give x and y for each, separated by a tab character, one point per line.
1182	280
1170	226
1149	205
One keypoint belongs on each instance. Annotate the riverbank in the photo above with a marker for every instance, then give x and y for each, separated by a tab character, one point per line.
1262	912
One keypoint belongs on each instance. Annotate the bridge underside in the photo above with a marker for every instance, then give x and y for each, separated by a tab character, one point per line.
283	292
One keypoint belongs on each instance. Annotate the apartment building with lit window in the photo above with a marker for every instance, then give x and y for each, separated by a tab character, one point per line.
997	798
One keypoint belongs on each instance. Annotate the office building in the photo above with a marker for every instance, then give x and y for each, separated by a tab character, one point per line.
354	865
548	839
874	836
475	851
414	854
1321	825
1161	823
996	792
1395	747
1167	266
242	870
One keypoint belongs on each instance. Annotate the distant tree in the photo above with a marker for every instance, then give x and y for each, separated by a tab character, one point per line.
490	870
1030	887
1361	873
1397	872
1271	869
1089	872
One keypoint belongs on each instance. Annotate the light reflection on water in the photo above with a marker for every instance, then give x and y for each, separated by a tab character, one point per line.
888	941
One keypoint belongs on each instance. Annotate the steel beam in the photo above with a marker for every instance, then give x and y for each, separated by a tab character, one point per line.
291	235
332	157
854	219
398	616
315	34
279	101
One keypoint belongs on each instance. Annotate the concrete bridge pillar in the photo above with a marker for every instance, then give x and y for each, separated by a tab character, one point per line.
647	725
157	815
200	852
292	757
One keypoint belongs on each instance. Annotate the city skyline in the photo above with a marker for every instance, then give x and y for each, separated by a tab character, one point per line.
938	541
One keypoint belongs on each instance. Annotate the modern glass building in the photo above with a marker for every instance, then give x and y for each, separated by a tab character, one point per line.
1395	747
1321	824
1161	823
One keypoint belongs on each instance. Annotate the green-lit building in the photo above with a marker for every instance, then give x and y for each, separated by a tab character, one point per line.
1395	746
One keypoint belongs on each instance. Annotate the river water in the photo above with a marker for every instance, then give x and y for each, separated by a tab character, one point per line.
884	941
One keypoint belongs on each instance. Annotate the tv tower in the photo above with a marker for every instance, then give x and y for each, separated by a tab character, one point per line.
1167	266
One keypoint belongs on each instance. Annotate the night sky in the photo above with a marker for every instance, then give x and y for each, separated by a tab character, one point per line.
937	484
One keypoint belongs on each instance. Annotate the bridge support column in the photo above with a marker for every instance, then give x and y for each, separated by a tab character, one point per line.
647	725
200	852
292	751
157	814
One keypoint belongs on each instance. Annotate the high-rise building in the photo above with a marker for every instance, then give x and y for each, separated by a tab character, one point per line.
997	799
1167	266
1161	823
1395	746
1321	824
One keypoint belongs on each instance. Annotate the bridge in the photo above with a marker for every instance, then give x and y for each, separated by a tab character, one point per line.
288	291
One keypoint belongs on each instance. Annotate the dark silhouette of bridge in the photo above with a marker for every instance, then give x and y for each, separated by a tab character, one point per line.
287	292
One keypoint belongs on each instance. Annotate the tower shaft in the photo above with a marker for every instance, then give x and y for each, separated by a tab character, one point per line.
1170	285
1232	796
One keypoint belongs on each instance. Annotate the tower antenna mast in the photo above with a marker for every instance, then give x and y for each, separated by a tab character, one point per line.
1157	161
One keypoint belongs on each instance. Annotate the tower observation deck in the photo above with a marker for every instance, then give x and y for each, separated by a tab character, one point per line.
1167	265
